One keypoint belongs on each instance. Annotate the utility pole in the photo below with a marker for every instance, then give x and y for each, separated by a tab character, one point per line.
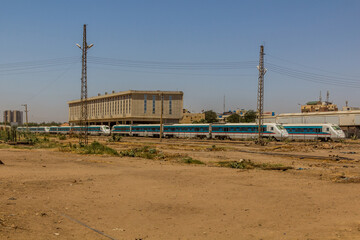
83	138
26	117
260	95
224	104
161	115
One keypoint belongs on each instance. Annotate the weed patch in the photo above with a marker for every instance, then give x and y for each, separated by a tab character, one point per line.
94	148
215	148
248	164
190	160
144	152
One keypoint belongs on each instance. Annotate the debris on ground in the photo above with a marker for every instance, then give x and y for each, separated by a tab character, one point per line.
345	179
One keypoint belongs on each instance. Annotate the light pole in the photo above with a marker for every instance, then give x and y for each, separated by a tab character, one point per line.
26	114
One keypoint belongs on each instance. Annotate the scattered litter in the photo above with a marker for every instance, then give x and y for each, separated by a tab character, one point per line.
12	198
56	234
119	229
344	179
348	152
2	163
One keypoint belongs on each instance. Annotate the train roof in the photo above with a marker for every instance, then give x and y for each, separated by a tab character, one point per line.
308	124
239	124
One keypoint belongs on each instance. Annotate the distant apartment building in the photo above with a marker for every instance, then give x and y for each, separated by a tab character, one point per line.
318	106
13	117
130	107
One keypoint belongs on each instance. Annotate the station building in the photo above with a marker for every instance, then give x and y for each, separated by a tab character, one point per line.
130	107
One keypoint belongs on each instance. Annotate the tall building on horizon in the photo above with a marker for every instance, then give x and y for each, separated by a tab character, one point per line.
13	116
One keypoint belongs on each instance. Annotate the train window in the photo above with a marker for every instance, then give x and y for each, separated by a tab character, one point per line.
272	128
327	129
197	129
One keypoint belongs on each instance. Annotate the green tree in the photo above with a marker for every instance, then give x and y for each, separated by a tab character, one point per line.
211	116
250	116
233	118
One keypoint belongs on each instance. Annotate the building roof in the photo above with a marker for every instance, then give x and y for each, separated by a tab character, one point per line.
128	92
315	113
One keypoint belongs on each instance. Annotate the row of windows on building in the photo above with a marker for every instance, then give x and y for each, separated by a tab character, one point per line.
154	104
108	106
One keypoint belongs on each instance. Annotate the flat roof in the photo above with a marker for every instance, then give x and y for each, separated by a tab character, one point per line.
109	95
314	113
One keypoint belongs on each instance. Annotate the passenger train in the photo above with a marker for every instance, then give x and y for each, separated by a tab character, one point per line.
92	129
210	131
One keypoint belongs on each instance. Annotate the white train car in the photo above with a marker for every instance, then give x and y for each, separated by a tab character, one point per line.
123	130
247	130
314	131
37	129
148	130
187	130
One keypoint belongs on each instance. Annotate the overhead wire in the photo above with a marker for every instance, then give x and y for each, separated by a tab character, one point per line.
170	65
311	77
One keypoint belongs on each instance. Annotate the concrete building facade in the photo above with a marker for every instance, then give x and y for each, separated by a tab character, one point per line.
130	107
13	117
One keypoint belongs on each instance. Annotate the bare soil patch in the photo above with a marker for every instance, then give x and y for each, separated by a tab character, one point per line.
163	192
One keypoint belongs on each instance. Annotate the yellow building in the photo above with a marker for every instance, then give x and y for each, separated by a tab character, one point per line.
318	106
130	107
192	117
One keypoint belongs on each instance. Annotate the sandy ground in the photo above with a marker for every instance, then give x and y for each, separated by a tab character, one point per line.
48	194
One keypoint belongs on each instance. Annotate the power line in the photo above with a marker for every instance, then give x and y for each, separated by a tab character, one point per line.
313	78
171	65
310	67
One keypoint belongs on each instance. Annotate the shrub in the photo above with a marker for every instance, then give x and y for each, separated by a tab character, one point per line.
62	137
97	148
190	160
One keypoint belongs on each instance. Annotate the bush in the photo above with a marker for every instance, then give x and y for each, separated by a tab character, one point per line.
115	138
97	148
190	160
144	152
62	137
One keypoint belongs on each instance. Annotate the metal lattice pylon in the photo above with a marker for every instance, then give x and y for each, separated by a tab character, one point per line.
83	137
260	95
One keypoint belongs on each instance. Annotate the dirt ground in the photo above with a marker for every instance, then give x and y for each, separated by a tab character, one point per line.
50	194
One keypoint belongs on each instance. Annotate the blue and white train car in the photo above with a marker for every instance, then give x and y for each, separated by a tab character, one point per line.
187	130
148	130
37	129
60	130
92	129
247	130
314	131
123	130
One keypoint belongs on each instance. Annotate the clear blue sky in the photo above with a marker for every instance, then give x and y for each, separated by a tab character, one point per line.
318	38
